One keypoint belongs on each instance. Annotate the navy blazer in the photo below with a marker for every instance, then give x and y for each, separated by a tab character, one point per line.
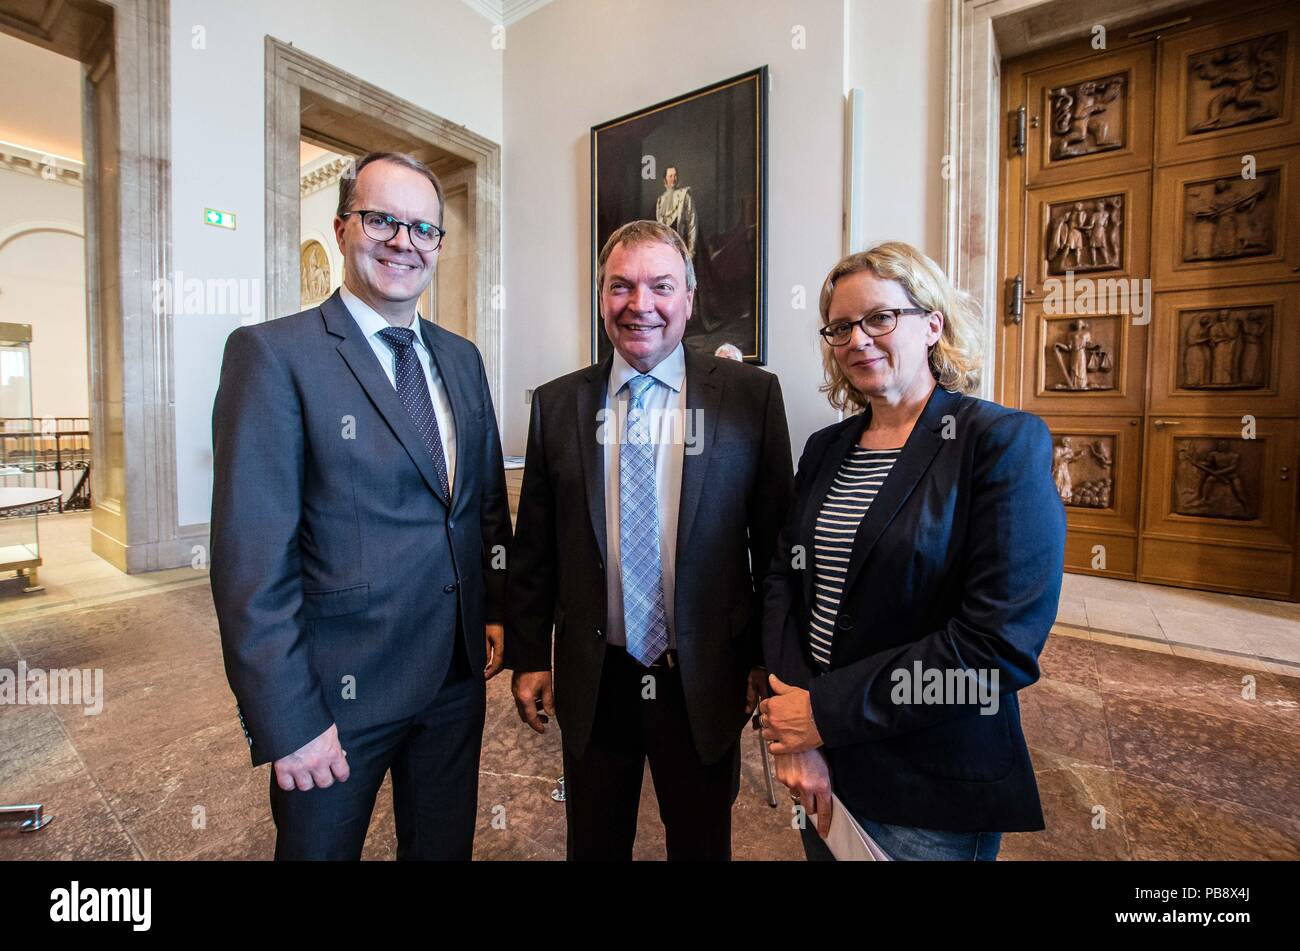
956	566
341	574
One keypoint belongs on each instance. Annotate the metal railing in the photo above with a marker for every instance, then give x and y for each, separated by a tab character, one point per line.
50	452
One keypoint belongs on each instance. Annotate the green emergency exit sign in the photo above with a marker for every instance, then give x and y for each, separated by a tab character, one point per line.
219	219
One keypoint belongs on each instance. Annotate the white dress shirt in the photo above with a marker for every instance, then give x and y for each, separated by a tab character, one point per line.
371	323
665	403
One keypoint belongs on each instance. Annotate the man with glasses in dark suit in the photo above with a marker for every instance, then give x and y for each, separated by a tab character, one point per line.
359	530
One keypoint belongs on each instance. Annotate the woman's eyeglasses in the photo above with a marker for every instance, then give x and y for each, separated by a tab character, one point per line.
875	324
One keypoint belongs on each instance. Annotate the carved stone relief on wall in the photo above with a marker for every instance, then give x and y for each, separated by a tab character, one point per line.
1088	117
1227	218
1083	468
315	274
1225	349
1236	85
1085	235
1079	354
1217	478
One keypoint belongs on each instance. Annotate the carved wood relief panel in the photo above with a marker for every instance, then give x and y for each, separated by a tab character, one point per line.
1237	84
1092	116
1225	349
1083	468
1230	217
1081	354
1088	117
1224	221
1217	478
1232	86
1085	235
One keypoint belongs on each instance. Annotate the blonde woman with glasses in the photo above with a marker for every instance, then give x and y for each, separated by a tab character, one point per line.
915	579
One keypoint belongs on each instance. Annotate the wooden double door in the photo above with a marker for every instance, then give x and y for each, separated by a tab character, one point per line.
1151	314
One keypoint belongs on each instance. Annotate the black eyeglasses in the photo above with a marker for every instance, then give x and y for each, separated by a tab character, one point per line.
875	324
381	226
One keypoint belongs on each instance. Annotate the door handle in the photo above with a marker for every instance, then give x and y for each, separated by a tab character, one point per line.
1162	423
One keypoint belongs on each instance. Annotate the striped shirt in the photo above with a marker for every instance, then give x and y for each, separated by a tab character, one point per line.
850	495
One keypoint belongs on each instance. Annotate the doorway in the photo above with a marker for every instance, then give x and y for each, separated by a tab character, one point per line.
311	104
1151	265
123	48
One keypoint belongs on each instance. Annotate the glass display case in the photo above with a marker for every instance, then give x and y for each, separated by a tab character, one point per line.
19	541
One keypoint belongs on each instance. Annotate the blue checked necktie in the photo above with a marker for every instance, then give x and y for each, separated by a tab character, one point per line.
414	392
644	619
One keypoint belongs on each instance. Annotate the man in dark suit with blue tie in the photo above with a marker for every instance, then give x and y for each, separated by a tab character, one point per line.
654	487
359	530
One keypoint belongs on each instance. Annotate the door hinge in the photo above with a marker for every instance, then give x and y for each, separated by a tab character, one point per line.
1016	299
1018	131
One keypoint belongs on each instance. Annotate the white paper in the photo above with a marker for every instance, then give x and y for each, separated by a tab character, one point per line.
847	840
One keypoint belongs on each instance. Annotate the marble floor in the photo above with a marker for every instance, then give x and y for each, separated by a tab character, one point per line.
1140	754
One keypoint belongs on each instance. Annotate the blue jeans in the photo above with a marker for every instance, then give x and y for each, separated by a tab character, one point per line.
909	844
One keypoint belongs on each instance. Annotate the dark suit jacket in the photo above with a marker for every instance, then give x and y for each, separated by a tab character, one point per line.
334	553
957	565
734	492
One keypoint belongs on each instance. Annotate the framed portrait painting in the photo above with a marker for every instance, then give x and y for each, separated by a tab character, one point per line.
697	163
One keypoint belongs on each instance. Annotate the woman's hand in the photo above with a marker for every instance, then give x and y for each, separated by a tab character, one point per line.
787	719
808	777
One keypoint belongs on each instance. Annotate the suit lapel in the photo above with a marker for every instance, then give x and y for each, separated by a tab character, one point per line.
590	401
703	402
918	452
361	360
458	392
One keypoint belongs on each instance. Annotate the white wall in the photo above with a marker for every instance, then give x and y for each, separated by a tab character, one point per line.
898	54
43	283
566	67
576	63
436	53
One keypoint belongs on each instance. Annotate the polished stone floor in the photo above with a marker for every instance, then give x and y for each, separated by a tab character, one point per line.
1140	754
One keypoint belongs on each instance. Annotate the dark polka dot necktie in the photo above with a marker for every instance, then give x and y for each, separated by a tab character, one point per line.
413	390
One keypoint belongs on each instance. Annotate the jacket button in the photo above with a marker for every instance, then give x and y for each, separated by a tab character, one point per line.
600	634
845	622
448	588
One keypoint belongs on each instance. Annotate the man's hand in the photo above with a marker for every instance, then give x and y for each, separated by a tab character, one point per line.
808	777
316	765
754	689
787	720
530	688
496	650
